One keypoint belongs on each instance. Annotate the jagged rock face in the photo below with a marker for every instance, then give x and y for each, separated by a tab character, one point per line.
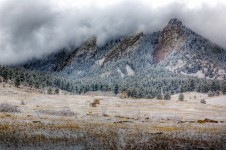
176	48
86	51
47	63
124	48
172	38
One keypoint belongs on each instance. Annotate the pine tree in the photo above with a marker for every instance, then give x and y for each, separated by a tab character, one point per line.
214	86
223	89
37	84
17	82
116	89
57	91
50	91
181	97
5	75
167	96
159	96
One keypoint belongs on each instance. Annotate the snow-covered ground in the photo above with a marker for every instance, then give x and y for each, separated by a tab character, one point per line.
190	109
113	123
219	101
194	97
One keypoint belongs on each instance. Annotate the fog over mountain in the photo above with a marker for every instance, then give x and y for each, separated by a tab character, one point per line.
30	28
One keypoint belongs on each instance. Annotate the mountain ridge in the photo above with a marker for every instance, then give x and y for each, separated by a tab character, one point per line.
166	62
175	49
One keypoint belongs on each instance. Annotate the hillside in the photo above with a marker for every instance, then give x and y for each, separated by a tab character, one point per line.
176	48
173	60
142	66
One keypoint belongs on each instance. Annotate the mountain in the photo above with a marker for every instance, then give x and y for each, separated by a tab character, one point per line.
183	51
176	48
174	60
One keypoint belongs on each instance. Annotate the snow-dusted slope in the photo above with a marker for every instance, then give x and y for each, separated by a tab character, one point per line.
183	51
176	48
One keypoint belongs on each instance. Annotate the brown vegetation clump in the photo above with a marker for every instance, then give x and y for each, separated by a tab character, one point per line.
123	95
95	102
207	121
5	107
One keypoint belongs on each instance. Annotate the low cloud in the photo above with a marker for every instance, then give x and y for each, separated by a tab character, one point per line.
30	28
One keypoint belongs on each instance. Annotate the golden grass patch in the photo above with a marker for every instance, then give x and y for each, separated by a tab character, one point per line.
166	128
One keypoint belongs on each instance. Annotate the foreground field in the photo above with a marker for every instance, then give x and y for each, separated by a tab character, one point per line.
100	122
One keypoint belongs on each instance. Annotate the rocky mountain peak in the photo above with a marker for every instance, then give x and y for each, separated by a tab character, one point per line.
175	22
86	51
172	38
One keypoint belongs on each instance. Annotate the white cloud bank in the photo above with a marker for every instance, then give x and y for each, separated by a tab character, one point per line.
31	28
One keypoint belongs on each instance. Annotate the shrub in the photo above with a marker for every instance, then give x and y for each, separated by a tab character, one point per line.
95	103
62	112
181	97
203	101
210	94
123	95
159	96
167	97
5	107
217	93
50	91
23	102
57	91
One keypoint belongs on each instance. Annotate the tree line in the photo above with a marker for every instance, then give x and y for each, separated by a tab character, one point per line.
136	86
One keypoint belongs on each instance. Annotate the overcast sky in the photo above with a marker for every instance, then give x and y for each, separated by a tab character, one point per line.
34	28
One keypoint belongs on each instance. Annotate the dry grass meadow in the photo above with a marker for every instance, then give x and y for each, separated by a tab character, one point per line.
104	122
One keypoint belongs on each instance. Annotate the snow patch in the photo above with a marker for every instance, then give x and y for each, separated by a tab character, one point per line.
120	72
198	74
129	70
221	72
100	62
178	65
106	74
219	101
80	72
